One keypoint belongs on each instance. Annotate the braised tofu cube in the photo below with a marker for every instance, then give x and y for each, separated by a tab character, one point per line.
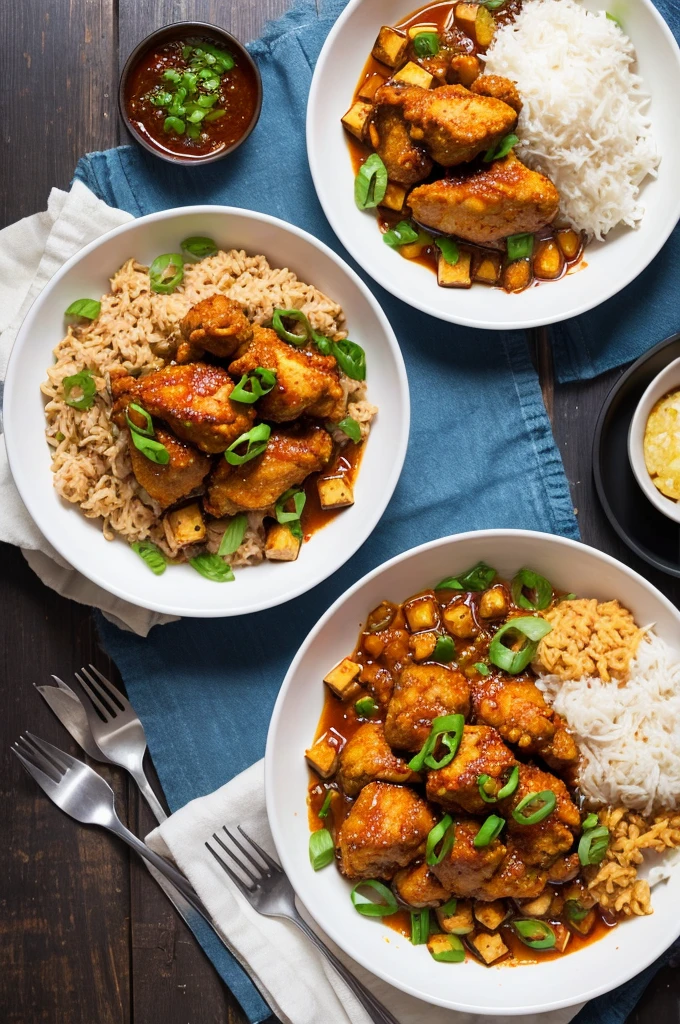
413	74
374	645
477	22
281	545
538	907
493	604
492	914
342	679
548	260
459	621
324	756
488	948
488	268
517	275
459	922
422	613
569	242
187	525
390	46
422	645
584	925
356	118
394	198
334	492
454	275
464	69
370	87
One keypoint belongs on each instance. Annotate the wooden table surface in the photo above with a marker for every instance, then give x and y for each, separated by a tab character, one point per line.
88	938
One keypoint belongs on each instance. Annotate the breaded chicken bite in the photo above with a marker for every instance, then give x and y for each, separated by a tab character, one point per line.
366	757
500	88
179	477
541	844
417	886
217	325
406	162
481	752
466	868
423	693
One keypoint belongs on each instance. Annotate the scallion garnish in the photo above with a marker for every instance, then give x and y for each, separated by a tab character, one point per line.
448	909
351	428
575	910
611	17
321	848
255	441
593	845
254	385
501	149
590	821
533	628
493	5
174	124
198	247
365	707
368	907
349	356
540	588
444	650
486	786
84	383
449	250
166	273
420	926
519	246
213	568
147	430
153	556
232	538
479	577
87	308
449	730
535	934
426	44
444	833
154	451
482	668
186	96
326	805
370	184
490	830
291	336
402	234
566	597
543	804
298	497
454	954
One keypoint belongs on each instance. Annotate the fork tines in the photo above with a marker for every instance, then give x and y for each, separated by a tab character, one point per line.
39	755
108	701
256	871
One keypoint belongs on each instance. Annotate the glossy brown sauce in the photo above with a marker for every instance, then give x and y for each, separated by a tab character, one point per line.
345	463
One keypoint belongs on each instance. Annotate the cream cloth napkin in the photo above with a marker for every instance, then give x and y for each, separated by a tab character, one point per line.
31	252
294	978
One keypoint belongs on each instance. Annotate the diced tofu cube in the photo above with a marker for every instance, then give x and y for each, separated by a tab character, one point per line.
390	46
548	260
370	87
488	269
334	492
585	925
356	117
459	621
477	22
491	914
454	275
464	69
413	74
461	922
517	275
422	613
342	679
281	545
562	936
488	947
373	645
493	604
394	198
569	242
538	907
422	645
187	525
324	755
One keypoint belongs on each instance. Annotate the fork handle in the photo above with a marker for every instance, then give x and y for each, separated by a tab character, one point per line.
378	1013
149	795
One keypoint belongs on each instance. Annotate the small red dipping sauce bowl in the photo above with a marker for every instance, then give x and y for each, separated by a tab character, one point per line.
190	93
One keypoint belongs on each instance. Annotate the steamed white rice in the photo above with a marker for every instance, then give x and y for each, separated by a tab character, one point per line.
584	121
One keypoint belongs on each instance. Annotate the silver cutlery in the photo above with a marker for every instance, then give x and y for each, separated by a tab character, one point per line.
269	892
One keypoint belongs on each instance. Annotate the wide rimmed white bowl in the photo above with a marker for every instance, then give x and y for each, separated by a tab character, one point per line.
664	382
601	966
113	566
611	264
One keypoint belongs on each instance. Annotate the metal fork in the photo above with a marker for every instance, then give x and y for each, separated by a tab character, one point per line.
117	730
269	892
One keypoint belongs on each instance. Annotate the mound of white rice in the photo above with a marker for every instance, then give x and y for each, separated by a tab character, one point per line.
583	123
629	735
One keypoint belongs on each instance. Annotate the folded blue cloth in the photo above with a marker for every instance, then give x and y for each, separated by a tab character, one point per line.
481	451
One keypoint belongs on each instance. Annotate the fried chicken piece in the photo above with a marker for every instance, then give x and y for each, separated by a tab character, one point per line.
306	381
500	88
385	830
417	886
454	124
517	708
366	757
565	869
182	475
541	844
465	869
422	693
514	879
505	198
292	453
481	752
216	325
406	162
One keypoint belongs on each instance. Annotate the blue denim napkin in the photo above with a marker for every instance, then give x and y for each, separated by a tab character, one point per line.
481	452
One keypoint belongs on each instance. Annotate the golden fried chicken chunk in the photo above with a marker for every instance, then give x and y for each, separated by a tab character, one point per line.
179	477
216	325
481	752
366	757
306	381
500	88
541	844
385	830
501	199
465	868
292	453
422	693
454	124
417	886
514	879
406	162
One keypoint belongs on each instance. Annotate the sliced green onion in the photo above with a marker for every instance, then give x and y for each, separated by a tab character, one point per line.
321	848
214	115
501	149
402	234
87	308
575	910
519	246
174	124
493	5
366	906
426	44
482	668
490	830
535	934
193	131
444	833
351	358
326	805
232	538
370	184
299	499
450	583
366	707
541	587
449	250
83	382
290	336
198	247
147	430
591	821
420	926
533	628
448	729
261	382
444	650
166	273
213	568
511	785
544	802
454	955
171	75
448	909
350	427
152	450
224	57
255	440
479	577
566	597
593	845
611	17
153	556
485	784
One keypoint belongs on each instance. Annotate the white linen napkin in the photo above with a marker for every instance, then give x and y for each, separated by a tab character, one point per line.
294	978
31	252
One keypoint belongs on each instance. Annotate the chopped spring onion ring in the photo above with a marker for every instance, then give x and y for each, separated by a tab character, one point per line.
450	583
255	440
198	247
448	729
366	906
326	805
420	926
166	273
485	784
529	626
575	911
449	908
449	250
501	149
321	848
232	538
543	802
535	934
152	450
370	184
490	830
365	707
443	830
454	955
610	17
593	845
493	5
351	428
591	821
351	358
83	382
213	568
87	308
479	577
375	625
153	556
147	430
482	668
540	587
290	336
444	650
298	497
519	246
174	124
426	44
402	234
254	385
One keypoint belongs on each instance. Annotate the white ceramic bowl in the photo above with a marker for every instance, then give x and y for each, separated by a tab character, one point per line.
611	264
471	987
664	382
181	590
